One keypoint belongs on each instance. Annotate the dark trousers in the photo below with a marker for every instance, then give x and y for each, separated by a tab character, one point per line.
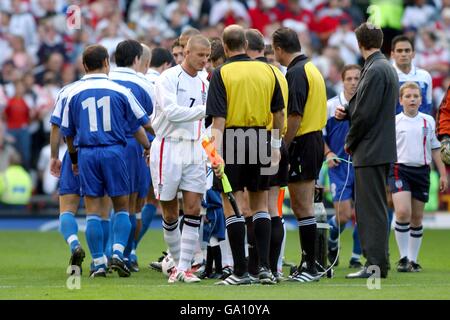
372	214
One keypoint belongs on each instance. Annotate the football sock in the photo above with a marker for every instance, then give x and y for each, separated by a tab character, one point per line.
276	241
251	245
148	213
105	227
402	237
334	232
94	235
189	240
262	227
415	241
236	236
356	253
121	229
307	229
172	238
130	241
68	227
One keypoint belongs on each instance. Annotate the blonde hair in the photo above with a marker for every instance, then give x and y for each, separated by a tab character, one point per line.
409	85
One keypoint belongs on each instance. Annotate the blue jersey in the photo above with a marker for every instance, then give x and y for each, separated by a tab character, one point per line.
61	99
423	79
98	110
335	130
140	88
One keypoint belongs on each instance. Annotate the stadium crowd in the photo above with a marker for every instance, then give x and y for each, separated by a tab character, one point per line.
41	50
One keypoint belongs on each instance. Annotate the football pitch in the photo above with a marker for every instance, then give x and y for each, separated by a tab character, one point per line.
33	266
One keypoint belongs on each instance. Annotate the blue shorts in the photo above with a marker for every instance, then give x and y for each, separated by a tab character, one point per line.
144	179
215	227
68	182
413	179
103	169
338	176
133	157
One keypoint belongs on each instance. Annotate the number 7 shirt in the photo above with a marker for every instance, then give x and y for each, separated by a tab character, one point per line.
180	105
96	110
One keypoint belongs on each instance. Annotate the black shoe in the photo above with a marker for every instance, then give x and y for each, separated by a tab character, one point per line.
363	274
333	255
99	273
234	280
265	276
134	267
76	259
226	272
415	267
403	265
121	268
355	264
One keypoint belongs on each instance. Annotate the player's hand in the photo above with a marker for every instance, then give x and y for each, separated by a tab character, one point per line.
443	184
275	157
55	167
75	169
146	156
340	113
332	162
218	169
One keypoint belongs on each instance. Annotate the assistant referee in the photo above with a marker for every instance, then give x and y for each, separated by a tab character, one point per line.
243	95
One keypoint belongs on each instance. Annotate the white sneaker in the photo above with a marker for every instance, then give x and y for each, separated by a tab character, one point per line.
187	277
173	275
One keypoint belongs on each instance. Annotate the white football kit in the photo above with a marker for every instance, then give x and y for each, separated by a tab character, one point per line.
177	160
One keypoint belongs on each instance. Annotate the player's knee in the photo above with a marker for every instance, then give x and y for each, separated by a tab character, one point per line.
402	214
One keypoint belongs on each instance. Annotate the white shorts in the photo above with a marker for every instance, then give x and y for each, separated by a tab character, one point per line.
177	165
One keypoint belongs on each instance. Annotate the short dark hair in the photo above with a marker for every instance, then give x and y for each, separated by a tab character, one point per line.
286	39
348	67
94	57
160	56
401	38
234	38
176	43
369	36
217	51
255	39
268	50
126	52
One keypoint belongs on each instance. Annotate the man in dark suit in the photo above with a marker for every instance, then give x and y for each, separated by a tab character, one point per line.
371	142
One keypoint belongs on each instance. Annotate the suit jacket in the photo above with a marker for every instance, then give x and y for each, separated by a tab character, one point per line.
371	137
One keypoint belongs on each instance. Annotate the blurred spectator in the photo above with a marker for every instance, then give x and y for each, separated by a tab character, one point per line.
17	115
51	41
15	185
177	52
443	25
147	18
229	12
262	14
345	39
6	149
54	63
22	60
434	57
49	182
205	10
418	15
22	23
328	17
110	38
180	14
353	11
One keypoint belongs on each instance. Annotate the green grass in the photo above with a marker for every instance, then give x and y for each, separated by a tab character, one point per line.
33	266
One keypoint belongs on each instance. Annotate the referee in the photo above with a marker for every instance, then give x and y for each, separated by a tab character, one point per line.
243	95
307	116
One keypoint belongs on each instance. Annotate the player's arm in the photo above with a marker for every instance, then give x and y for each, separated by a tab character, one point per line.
217	129
298	94
166	97
55	163
443	182
142	138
